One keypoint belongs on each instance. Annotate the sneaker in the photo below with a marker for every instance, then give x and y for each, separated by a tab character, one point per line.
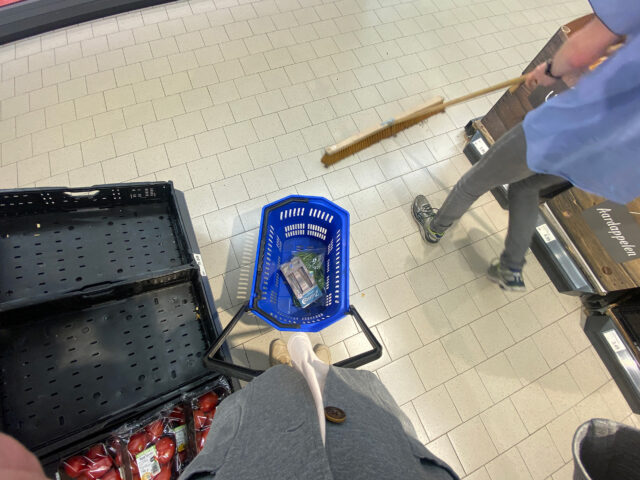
323	353
278	353
423	214
508	278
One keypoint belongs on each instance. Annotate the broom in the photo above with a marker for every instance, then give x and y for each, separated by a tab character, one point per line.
366	138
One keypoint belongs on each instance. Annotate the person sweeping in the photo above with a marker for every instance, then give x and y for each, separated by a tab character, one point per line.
588	135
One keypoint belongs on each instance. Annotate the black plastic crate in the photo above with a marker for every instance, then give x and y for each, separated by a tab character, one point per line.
56	242
77	361
69	373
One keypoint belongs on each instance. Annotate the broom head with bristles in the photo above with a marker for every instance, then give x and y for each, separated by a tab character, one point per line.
387	129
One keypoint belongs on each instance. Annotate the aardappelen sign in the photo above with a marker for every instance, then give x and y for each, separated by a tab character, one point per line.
617	230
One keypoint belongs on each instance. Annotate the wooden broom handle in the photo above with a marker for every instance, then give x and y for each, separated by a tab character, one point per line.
434	105
513	82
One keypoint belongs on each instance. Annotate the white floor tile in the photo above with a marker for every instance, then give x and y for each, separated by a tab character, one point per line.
540	454
504	425
486	295
396	258
492	334
472	444
562	430
433	365
200	200
368	270
409	410
499	377
367	203
370	306
429	321
229	191
426	282
468	394
367	235
463	349
399	336
442	448
437	412
508	466
534	407
401	379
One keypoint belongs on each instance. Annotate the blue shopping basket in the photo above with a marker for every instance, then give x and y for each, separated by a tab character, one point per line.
291	225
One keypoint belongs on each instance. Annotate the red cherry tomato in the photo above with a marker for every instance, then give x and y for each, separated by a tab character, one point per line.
177	415
99	467
112	474
138	443
96	452
211	414
165	473
75	466
155	429
166	448
208	401
199	419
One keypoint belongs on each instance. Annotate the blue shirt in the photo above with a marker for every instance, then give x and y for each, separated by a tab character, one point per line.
590	134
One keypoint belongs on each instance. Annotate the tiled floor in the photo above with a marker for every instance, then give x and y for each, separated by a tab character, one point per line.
233	101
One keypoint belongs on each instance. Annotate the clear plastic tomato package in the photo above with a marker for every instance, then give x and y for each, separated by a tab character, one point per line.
150	449
100	462
177	420
202	406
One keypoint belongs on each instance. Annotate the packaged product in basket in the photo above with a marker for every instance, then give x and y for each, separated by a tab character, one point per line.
203	404
150	449
98	462
304	274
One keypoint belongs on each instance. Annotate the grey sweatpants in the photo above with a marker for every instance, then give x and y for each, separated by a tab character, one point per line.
505	162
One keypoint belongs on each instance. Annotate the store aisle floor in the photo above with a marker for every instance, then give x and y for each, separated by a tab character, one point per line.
234	100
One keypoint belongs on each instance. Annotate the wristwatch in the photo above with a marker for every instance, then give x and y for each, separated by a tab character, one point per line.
547	71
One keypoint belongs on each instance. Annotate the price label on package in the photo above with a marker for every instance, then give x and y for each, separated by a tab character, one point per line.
198	258
481	146
148	465
181	437
614	340
546	233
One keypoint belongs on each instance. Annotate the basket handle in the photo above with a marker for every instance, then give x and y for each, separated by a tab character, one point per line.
365	357
228	368
248	374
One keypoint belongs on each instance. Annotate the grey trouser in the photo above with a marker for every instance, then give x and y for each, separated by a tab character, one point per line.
505	162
